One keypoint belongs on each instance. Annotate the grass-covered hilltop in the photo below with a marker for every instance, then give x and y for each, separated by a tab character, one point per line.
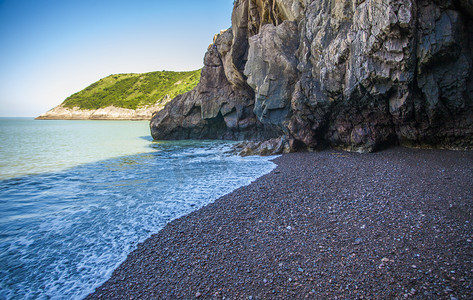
125	96
133	90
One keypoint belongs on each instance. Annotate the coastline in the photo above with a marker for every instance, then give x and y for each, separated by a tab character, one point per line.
391	224
107	113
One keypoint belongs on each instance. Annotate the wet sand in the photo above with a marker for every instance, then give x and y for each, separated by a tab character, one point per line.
392	224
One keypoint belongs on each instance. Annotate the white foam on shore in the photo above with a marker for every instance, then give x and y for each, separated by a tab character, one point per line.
92	216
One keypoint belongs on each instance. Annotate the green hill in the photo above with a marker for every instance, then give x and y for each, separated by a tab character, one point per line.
133	90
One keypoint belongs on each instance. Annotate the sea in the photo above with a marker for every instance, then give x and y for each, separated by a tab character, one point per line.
77	196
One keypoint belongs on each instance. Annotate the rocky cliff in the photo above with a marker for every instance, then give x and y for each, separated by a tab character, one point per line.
354	74
61	112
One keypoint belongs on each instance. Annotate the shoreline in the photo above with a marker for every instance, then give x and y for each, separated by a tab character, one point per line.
86	119
61	112
392	224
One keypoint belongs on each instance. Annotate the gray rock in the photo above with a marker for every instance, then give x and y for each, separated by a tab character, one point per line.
358	75
272	71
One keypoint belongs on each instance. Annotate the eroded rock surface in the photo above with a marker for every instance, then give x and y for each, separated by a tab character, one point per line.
219	107
354	74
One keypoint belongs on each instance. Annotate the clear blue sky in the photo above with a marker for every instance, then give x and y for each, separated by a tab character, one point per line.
50	49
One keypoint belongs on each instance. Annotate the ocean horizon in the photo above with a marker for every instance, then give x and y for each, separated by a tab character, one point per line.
78	196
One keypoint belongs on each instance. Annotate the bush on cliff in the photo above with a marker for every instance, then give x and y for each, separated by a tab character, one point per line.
134	90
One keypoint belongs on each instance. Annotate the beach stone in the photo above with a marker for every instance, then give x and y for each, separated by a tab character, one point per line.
211	249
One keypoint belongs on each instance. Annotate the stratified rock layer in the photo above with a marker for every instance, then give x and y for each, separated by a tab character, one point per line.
61	112
354	74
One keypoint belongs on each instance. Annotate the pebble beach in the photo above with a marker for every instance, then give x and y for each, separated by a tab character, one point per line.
396	224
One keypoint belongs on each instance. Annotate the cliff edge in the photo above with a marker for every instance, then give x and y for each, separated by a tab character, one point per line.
354	74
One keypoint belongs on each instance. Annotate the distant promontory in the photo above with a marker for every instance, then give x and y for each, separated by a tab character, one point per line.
124	96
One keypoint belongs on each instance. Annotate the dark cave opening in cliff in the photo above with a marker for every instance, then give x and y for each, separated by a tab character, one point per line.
217	127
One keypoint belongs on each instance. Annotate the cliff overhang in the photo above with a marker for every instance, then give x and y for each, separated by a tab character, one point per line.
358	75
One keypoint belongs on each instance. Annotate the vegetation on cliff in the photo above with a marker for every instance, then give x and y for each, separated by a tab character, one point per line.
134	90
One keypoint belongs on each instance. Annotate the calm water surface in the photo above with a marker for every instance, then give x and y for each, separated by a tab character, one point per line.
29	146
77	196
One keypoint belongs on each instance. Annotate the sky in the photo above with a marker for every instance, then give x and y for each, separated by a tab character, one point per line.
50	49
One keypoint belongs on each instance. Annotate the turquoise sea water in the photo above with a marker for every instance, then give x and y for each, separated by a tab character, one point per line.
30	146
77	196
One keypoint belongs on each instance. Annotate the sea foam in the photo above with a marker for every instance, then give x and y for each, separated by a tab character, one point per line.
63	233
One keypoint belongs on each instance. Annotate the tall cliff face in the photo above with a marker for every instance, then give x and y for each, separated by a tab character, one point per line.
348	73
